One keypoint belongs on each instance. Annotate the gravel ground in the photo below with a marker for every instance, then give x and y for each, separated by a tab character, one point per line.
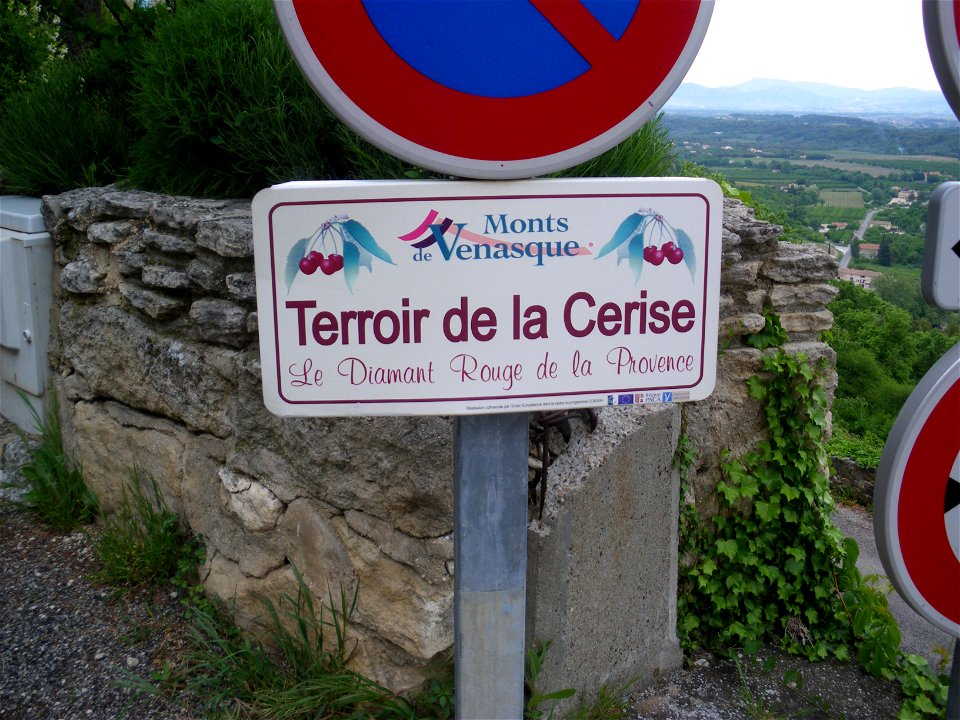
68	645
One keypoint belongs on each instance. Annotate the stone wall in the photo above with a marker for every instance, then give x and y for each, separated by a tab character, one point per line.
156	361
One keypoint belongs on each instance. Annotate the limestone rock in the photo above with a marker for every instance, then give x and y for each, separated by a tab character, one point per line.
220	321
84	276
256	507
208	273
228	237
157	305
164	276
110	233
125	360
167	243
242	286
800	263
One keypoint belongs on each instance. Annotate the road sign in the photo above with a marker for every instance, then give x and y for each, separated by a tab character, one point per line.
940	280
495	89
471	298
917	497
941	25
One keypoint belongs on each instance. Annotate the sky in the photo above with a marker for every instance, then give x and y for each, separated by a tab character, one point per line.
865	44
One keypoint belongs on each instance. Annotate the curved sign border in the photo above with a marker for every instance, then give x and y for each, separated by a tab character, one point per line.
387	102
941	26
909	494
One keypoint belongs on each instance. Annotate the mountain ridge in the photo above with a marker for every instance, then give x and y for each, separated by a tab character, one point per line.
764	95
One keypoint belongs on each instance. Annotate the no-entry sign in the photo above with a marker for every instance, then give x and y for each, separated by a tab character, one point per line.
386	298
917	497
495	88
941	25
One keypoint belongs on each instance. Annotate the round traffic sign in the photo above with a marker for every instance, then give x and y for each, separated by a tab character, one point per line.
941	26
495	88
917	497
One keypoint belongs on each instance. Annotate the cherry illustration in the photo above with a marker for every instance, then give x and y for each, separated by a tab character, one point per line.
308	266
338	261
655	256
674	254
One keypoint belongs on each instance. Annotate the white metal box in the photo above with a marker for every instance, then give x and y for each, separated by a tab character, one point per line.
26	297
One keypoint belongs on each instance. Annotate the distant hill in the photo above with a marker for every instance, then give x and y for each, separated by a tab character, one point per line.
780	96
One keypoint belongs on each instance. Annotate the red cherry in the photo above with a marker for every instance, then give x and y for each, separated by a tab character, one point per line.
328	266
315	257
674	256
338	262
307	266
646	252
668	246
656	256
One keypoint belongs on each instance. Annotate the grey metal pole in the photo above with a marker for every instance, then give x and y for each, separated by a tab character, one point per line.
490	551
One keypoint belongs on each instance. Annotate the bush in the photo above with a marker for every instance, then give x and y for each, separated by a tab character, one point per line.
649	152
62	131
225	110
26	44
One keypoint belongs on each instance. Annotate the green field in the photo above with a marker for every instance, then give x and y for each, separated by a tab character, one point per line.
822	214
842	198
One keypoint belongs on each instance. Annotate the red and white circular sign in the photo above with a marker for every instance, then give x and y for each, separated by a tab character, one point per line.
941	25
917	497
495	89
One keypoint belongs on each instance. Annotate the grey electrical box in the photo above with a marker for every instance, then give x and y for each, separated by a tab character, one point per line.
26	297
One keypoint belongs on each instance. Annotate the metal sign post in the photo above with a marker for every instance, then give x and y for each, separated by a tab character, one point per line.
490	550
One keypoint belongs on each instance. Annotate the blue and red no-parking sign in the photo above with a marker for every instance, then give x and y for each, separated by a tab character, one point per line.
495	88
917	497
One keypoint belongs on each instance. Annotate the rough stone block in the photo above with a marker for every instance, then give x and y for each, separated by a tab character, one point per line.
800	263
220	321
228	237
110	440
741	274
164	276
167	243
110	233
87	275
740	325
128	204
793	297
208	273
157	305
807	322
124	359
602	571
242	286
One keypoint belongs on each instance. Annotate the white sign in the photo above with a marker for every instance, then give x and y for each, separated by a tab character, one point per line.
431	298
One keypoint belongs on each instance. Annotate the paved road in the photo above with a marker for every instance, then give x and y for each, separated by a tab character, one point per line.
865	223
919	636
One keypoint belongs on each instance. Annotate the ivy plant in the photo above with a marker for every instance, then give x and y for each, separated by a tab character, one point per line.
771	567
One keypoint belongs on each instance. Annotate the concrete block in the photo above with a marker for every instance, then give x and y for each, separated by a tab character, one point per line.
602	568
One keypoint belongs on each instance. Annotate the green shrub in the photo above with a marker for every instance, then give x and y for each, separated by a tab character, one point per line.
224	108
56	492
63	131
26	44
142	543
649	152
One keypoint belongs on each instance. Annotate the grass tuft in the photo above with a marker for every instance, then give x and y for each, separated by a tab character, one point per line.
56	492
142	542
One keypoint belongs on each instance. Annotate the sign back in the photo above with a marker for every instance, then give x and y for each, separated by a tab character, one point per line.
388	298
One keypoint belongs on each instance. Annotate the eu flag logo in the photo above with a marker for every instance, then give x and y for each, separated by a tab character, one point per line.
625	399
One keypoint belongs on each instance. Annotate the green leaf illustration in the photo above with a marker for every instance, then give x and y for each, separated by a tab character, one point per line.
294	257
636	256
351	263
689	253
627	228
361	236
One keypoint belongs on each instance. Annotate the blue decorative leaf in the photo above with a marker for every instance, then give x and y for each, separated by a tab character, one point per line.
296	254
627	228
351	263
689	253
360	235
636	256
